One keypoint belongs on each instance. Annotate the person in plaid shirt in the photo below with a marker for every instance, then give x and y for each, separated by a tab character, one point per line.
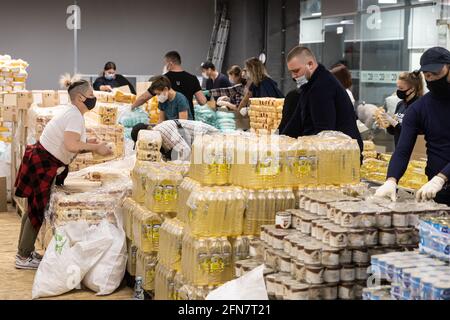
46	162
231	97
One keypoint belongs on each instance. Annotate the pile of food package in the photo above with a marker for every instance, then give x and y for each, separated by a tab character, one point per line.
112	134
152	109
13	74
265	114
369	151
92	194
221	119
148	145
375	169
106	113
116	96
322	250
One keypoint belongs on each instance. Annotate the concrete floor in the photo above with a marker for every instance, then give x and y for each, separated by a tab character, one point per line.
16	284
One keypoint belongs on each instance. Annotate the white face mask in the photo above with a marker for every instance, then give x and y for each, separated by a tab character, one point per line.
163	97
301	81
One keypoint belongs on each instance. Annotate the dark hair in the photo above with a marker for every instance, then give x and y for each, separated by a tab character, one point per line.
110	65
136	129
159	83
237	72
343	75
173	57
299	50
208	65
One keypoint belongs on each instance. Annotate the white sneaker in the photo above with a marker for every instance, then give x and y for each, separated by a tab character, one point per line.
36	255
29	263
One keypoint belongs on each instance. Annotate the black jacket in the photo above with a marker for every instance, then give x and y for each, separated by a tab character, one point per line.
290	104
400	113
119	81
323	105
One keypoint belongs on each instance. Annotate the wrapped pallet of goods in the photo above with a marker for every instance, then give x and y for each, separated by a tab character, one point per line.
13	74
265	114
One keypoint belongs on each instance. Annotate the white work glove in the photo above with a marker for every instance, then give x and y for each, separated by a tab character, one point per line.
387	190
387	118
244	112
429	189
223	98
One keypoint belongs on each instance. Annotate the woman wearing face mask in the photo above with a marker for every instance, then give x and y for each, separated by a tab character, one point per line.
261	85
172	105
430	115
47	161
109	79
409	90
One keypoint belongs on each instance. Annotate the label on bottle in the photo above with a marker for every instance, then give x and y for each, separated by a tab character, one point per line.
158	193
216	265
155	233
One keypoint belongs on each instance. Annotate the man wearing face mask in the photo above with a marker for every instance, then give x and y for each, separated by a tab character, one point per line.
323	103
181	81
172	105
430	115
47	161
214	79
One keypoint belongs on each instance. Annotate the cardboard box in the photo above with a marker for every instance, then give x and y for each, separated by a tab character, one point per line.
10	100
141	87
3	195
24	100
50	99
124	89
9	114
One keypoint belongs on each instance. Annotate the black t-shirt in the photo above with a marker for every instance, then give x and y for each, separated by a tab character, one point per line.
220	82
117	82
185	83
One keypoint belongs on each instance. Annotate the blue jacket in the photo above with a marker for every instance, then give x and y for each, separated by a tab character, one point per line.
431	116
323	105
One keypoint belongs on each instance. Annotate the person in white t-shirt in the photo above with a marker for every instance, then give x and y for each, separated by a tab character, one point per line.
47	162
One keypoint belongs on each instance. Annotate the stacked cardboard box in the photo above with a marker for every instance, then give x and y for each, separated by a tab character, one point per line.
265	114
13	74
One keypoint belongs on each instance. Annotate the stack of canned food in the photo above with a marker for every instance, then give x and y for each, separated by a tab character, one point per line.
323	249
412	276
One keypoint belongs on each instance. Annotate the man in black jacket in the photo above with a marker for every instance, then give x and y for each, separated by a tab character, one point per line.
323	103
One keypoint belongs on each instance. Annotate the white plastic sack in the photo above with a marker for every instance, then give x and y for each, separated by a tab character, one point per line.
107	274
251	286
72	252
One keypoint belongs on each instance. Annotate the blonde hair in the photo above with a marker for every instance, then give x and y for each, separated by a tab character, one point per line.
415	80
257	70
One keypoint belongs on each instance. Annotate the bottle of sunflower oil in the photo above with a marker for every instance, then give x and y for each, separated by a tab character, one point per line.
271	203
280	199
250	211
217	266
227	256
290	199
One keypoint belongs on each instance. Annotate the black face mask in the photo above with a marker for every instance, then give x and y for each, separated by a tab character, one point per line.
402	94
440	88
90	102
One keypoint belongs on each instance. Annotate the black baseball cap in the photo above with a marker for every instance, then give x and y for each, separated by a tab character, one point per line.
434	59
208	65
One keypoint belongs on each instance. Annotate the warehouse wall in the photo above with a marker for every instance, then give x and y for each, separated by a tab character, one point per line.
247	35
135	34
